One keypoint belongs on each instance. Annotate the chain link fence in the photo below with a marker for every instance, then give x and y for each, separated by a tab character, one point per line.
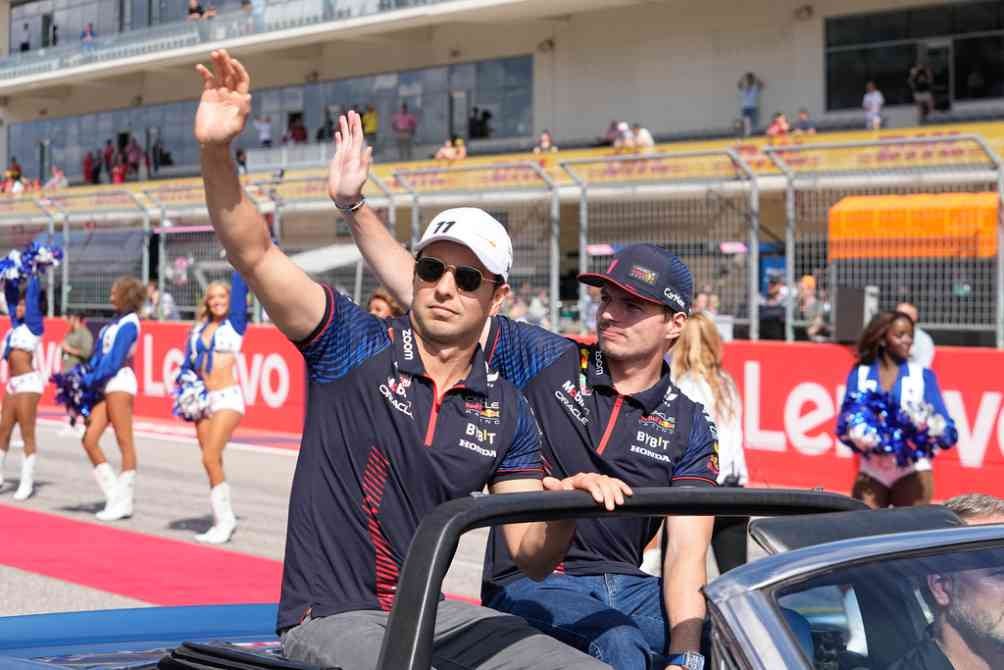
955	284
525	200
105	235
316	236
702	206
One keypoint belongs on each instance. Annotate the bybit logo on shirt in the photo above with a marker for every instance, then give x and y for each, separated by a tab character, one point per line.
480	434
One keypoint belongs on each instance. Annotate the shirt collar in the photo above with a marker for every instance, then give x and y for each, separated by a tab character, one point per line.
598	374
407	358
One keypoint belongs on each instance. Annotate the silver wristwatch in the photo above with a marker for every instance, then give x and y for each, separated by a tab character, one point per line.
690	660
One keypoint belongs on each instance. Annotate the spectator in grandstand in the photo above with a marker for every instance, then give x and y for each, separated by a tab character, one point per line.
613	133
159	305
601	602
778	129
773	314
87	35
371	125
263	126
750	86
14	170
977	508
452	151
537	311
78	345
296	132
486	124
405	124
474	124
545	144
211	353
804	125
872	103
921	81
698	373
58	179
241	160
641	138
592	309
382	305
625	138
196	11
135	156
814	311
335	599
87	167
702	304
112	375
108	154
326	132
883	365
922	351
25	385
120	169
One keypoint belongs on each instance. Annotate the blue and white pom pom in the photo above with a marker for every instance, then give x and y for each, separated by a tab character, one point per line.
73	392
38	258
873	424
191	398
35	259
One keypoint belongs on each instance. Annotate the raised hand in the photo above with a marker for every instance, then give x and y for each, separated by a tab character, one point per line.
225	103
350	166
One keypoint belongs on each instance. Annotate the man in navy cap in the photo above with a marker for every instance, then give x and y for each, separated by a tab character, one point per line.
607	408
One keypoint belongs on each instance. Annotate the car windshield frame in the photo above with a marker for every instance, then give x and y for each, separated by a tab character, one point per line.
744	601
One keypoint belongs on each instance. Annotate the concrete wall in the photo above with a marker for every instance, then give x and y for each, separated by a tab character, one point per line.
671	65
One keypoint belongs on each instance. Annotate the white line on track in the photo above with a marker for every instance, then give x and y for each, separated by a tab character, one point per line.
153	432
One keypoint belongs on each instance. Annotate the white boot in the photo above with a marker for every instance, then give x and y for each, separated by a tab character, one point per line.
120	504
224	521
105	477
27	485
3	459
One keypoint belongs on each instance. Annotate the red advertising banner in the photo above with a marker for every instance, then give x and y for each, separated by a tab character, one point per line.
791	395
792	392
269	368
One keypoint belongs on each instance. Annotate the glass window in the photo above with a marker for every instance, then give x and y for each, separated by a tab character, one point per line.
462	77
518	71
877	614
973	17
979	67
930	22
848	71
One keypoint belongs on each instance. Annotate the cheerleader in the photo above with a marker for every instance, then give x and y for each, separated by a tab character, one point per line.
883	352
210	358
110	372
20	402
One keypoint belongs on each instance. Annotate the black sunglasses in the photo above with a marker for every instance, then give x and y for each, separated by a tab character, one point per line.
468	279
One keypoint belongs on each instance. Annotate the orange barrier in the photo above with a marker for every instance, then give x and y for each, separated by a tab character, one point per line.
943	225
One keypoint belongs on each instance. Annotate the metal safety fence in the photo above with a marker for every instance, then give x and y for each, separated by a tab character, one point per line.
955	280
105	235
702	206
525	200
316	236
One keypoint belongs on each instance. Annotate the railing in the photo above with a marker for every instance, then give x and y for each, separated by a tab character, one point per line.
264	17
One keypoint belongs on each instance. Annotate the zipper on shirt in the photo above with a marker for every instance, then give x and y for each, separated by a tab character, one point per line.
611	422
437	403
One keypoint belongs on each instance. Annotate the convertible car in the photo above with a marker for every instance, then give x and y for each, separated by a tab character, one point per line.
839	588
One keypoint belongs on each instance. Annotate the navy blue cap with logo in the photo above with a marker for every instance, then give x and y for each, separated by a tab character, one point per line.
650	273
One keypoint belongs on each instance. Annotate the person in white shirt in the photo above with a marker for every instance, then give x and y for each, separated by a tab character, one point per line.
922	351
643	139
872	104
264	127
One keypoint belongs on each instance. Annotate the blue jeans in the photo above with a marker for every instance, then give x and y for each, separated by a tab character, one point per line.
618	619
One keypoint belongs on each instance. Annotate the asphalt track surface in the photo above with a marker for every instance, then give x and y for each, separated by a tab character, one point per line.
55	556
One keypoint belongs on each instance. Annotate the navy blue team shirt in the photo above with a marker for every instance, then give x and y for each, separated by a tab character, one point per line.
379	451
658	437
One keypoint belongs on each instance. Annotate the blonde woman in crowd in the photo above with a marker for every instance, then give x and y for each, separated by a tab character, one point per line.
697	372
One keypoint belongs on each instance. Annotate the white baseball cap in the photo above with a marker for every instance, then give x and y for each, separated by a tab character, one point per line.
477	230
